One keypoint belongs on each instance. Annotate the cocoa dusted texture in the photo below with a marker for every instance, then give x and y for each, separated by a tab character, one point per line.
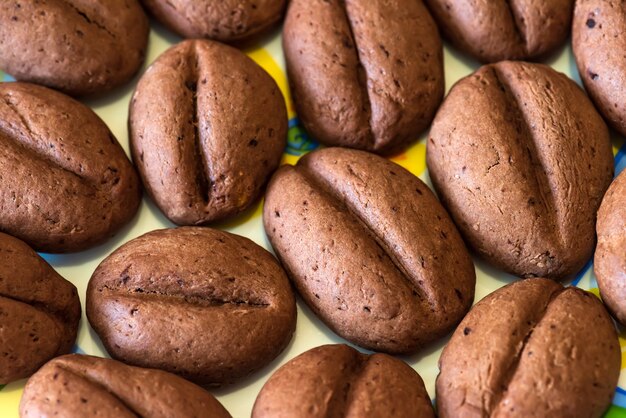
67	183
532	348
369	248
205	304
207	128
364	74
521	159
598	43
610	257
81	47
338	381
39	311
492	31
230	21
85	386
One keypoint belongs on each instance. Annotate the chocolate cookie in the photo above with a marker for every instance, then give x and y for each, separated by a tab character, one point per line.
610	257
338	381
207	127
364	74
344	224
85	386
532	348
205	304
222	20
67	184
39	311
76	46
599	45
492	31
521	159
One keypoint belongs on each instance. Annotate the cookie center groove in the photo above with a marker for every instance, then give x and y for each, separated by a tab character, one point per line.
517	23
67	368
361	72
528	140
203	173
90	20
57	317
32	143
509	374
319	184
343	388
210	297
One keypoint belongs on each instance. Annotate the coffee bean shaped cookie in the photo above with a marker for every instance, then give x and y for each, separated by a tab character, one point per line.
67	183
364	74
610	256
39	311
207	127
532	348
521	159
85	386
223	20
79	47
369	248
492	31
599	47
205	304
338	381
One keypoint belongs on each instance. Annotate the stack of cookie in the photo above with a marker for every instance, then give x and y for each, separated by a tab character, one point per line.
519	157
